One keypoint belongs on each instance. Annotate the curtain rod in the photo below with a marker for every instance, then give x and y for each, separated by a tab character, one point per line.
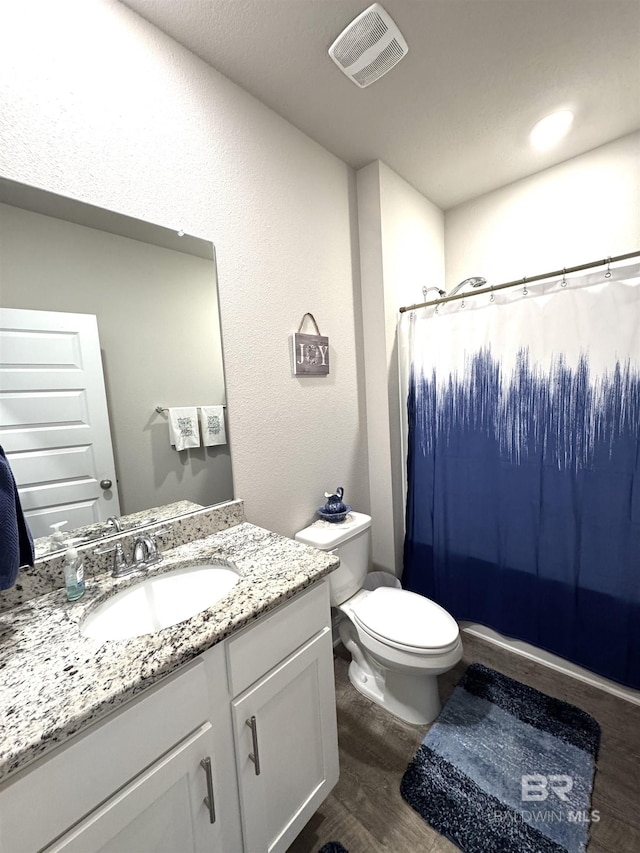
520	281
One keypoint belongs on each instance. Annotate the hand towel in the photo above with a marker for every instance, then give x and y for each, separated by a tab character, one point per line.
17	544
183	427
212	425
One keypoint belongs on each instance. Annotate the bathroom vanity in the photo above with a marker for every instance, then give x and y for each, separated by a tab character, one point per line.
216	734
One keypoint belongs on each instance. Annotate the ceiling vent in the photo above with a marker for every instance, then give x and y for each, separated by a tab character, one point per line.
369	47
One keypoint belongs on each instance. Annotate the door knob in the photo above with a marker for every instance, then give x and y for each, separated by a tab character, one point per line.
105	484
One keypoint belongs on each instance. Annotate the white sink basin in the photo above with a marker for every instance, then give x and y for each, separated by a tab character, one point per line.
158	602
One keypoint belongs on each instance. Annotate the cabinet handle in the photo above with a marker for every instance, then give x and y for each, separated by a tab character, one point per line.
255	755
205	763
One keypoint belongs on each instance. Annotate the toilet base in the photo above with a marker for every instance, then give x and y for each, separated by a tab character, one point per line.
414	699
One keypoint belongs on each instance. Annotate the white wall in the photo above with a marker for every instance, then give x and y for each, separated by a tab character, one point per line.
582	210
98	105
401	250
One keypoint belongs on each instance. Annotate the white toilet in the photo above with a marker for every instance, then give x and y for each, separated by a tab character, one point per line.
399	641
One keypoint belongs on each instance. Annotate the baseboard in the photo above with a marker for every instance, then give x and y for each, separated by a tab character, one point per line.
540	656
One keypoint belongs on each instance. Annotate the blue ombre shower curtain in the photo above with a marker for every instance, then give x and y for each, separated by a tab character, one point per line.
523	465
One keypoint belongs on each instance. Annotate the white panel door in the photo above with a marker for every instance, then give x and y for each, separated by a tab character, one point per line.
54	424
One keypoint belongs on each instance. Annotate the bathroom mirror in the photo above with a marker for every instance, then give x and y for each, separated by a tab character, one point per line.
154	294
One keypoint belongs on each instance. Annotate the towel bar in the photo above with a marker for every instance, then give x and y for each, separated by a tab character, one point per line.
161	409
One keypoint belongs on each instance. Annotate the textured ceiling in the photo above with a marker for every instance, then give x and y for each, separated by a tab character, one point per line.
453	117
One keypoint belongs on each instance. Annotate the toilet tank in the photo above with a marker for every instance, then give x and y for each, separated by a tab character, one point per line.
351	541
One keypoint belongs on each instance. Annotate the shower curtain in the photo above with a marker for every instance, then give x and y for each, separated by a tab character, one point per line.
523	465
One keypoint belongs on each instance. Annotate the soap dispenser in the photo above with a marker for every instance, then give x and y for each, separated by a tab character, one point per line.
57	536
73	575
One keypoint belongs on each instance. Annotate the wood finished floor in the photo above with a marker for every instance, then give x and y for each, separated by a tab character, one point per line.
366	813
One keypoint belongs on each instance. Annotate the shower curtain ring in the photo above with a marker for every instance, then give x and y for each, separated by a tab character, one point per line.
491	299
524	289
563	283
608	272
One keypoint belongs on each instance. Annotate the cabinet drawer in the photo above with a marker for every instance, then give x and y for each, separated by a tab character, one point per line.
43	801
261	646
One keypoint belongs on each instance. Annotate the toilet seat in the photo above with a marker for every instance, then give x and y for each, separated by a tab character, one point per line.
406	621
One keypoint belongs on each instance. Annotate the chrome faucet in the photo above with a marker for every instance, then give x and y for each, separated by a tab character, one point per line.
145	553
121	566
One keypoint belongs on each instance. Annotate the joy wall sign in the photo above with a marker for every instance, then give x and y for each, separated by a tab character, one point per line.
310	352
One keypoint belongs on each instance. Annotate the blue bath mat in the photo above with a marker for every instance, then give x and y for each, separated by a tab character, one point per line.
506	768
333	847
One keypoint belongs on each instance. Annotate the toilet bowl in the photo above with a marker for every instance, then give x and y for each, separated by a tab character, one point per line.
399	641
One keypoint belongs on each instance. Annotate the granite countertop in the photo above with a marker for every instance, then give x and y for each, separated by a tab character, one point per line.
55	681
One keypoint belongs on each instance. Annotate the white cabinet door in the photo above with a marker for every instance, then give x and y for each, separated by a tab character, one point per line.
54	424
291	734
160	811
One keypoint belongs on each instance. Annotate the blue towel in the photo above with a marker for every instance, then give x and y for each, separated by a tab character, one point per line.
16	544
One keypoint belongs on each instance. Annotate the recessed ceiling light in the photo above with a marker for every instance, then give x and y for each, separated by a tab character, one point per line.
551	129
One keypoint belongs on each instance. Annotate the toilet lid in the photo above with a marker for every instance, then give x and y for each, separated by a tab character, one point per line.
403	618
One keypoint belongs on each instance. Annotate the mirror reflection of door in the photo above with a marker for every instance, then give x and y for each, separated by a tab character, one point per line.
54	424
154	292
